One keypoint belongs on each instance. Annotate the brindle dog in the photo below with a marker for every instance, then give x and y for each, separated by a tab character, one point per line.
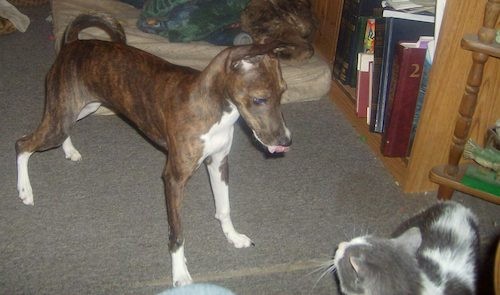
289	21
186	112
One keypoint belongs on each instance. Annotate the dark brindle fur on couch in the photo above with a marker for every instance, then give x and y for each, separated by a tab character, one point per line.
289	21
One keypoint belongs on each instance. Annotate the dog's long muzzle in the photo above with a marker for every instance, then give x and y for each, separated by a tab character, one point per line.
279	145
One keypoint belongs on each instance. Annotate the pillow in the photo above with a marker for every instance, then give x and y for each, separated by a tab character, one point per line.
189	20
136	3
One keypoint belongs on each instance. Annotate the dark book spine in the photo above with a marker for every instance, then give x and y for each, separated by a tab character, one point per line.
343	42
367	7
395	30
358	43
344	67
378	53
399	60
406	76
386	67
349	64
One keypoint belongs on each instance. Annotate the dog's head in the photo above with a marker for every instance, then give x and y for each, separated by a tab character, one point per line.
286	21
255	85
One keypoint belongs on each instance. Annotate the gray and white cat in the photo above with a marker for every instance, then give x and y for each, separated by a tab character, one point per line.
433	253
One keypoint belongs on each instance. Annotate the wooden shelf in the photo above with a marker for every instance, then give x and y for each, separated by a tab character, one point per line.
438	175
441	103
471	42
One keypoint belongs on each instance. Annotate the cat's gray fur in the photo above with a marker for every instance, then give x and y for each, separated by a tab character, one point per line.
435	252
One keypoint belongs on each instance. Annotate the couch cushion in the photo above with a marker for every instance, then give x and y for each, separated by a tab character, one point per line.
306	81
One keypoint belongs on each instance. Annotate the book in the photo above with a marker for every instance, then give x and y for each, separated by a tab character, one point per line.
378	51
411	5
395	30
402	5
369	38
344	66
363	84
405	84
440	5
424	17
363	43
357	47
420	99
346	32
370	92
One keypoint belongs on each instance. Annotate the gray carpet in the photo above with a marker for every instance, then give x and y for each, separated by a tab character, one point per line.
99	226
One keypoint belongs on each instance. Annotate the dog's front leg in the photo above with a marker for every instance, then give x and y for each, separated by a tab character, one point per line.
174	193
218	167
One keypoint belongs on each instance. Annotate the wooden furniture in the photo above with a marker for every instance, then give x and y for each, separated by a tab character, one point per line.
442	100
482	46
496	270
328	14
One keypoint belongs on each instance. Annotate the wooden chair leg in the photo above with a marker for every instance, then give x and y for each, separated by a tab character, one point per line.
445	193
496	271
466	111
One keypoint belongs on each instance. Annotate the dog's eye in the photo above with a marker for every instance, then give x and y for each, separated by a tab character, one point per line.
259	100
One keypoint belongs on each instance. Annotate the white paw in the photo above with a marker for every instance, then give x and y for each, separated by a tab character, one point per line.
239	240
23	179
182	280
26	195
180	273
70	151
74	156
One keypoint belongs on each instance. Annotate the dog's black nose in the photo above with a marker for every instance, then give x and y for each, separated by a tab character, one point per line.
285	141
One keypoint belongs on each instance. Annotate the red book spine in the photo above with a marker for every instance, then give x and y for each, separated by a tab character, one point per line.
363	84
407	68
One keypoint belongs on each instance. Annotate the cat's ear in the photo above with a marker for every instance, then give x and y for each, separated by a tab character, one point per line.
355	263
410	240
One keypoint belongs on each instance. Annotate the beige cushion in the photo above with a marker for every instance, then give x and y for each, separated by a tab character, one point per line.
308	81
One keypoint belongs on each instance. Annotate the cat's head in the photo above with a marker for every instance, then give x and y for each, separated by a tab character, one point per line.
370	265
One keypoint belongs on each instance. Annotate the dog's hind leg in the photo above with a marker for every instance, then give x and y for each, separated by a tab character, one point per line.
175	177
69	150
44	138
51	133
40	140
217	166
88	109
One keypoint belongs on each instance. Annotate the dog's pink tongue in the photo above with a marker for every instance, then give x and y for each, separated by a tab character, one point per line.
277	149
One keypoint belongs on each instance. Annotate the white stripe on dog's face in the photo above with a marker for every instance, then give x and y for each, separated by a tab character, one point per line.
246	66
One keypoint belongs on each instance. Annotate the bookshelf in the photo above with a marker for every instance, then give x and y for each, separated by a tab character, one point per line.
444	92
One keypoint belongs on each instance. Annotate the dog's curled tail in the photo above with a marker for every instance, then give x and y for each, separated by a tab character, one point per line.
100	20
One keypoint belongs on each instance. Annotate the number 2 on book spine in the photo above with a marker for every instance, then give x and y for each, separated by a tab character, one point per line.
416	71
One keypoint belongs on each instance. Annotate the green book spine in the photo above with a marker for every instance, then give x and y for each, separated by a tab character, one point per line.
358	43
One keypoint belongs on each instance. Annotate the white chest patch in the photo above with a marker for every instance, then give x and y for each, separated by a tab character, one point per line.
220	135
